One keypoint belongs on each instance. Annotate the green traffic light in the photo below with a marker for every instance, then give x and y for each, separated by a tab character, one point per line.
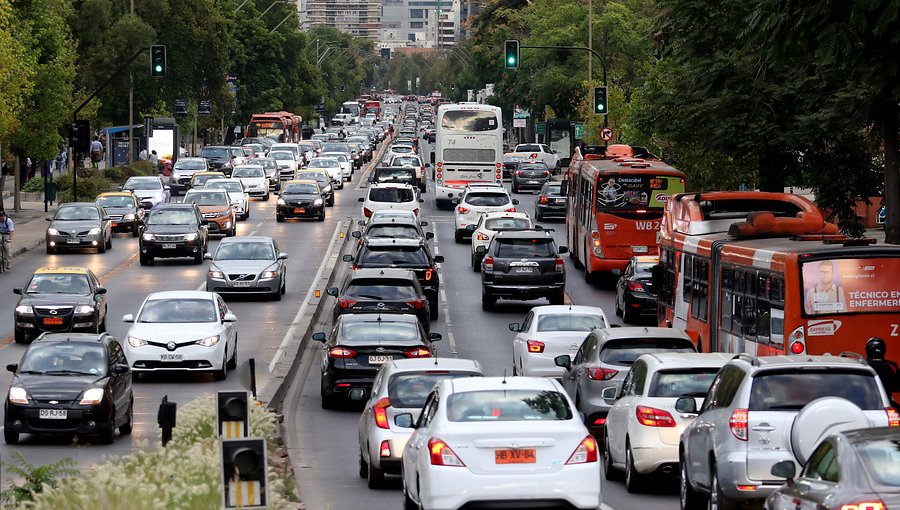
158	68
511	60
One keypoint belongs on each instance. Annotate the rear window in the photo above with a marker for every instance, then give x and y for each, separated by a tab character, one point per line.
882	460
793	390
508	405
680	383
486	199
391	195
375	257
625	352
507	223
525	248
219	152
381	290
570	322
411	390
393	231
553	189
380	331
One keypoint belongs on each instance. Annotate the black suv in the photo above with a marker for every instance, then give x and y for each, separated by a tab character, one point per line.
412	254
219	159
523	264
70	384
60	300
382	290
174	230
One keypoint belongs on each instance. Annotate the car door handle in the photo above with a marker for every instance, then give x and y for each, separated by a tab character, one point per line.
763	428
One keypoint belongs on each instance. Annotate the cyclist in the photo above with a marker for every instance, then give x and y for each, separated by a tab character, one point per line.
6	234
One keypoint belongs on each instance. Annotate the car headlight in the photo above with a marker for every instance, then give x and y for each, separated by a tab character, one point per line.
24	310
215	273
280	201
52	231
18	395
226	212
92	396
128	216
136	342
148	237
84	309
318	201
269	274
209	341
237	202
191	236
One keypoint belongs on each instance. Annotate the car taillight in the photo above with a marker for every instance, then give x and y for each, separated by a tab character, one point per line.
738	423
535	346
488	263
520	173
380	412
418	352
893	417
511	209
366	212
653	417
546	173
543	200
442	455
797	348
560	265
634	286
418	304
600	374
341	353
385	450
482	237
428	274
586	452
865	505
416	211
346	303
534	155
462	210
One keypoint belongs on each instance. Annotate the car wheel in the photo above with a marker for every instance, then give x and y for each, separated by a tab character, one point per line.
458	236
558	298
627	315
51	251
609	471
125	428
101	247
21	336
689	498
433	309
266	198
283	288
717	500
222	373
198	258
322	216
376	477
618	308
328	401
363	467
487	302
475	264
146	260
515	190
538	216
10	437
634	481
109	435
408	503
109	242
232	361
135	230
279	218
247	213
101	328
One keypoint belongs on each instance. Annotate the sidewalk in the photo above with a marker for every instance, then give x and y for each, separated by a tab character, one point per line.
31	227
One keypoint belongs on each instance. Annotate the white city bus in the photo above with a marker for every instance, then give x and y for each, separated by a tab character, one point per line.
468	147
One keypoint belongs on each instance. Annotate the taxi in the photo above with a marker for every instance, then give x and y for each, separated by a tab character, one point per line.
60	300
124	210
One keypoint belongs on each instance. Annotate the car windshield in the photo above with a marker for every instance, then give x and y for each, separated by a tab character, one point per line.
225	184
381	290
484	199
116	201
65	358
190	164
249	172
393	231
200	180
216	153
775	391
507	223
61	283
626	351
508	405
282	156
313	176
391	195
76	213
336	147
882	460
142	184
178	310
207	198
392	256
380	331
301	189
693	382
411	390
340	157
324	163
245	251
525	248
266	163
570	322
171	217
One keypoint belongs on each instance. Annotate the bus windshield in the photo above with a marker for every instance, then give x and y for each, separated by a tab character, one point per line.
469	120
630	192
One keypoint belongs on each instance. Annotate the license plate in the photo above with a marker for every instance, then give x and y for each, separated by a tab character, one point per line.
639	249
534	182
242	284
72	241
299	210
53	321
560	201
379	360
115	224
517	456
53	414
168	246
171	357
525	269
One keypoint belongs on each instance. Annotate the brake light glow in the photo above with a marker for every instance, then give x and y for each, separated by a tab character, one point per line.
600	374
535	346
379	410
533	155
746	488
417	304
462	210
586	452
653	417
341	353
511	209
893	417
428	274
385	450
367	212
865	505
488	263
797	348
543	200
418	352
634	286
482	237
600	421
346	303
560	265
442	455
546	173
520	173
416	211
738	423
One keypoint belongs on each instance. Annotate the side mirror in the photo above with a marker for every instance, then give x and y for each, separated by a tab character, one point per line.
609	395
207	256
347	258
282	256
439	259
404	421
423	223
204	221
17	291
515	201
229	317
12	367
515	326
421	200
319	337
360	199
553	151
563	361
100	290
332	291
434	337
121	368
49	218
357	394
356	233
481	250
470	228
128	318
429	235
166	188
361	222
686	405
455	201
783	469
427	165
372	178
563	249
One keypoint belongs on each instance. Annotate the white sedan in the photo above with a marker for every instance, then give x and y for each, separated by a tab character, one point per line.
551	331
254	179
345	162
489	224
477	200
190	331
332	167
499	441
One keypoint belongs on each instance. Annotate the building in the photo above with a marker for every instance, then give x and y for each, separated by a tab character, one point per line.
361	18
419	23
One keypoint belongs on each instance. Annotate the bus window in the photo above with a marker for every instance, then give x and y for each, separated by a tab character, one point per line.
469	120
727	298
687	261
700	287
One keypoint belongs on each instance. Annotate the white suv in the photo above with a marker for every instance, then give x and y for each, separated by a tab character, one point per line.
390	196
477	200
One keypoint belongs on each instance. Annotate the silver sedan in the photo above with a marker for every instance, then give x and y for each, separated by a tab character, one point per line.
247	265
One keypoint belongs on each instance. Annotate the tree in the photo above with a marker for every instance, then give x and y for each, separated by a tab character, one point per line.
17	69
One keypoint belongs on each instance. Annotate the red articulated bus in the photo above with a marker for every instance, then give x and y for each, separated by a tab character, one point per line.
279	126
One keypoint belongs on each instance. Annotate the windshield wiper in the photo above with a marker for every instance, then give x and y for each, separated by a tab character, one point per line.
370	296
67	372
37	372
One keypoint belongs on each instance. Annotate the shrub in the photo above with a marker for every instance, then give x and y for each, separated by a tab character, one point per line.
90	184
35	185
34	479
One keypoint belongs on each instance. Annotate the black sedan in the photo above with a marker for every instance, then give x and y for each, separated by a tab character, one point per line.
635	295
510	163
300	199
60	300
382	291
550	201
70	384
530	175
858	469
360	343
124	210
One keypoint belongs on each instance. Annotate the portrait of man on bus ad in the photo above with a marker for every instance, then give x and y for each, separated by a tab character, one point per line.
851	285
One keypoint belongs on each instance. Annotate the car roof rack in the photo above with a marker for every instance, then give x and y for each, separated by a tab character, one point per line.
749	358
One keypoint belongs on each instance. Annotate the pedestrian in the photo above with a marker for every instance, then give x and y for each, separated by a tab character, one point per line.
154	159
96	152
143	156
62	160
887	371
7	230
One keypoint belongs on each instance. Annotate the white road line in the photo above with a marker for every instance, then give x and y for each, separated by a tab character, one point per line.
309	295
446	308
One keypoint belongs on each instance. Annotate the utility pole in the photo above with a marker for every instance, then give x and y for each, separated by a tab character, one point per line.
590	38
130	108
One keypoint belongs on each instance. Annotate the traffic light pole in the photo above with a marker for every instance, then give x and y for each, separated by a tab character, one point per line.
578	48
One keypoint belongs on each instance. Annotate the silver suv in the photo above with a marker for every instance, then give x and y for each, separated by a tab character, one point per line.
762	410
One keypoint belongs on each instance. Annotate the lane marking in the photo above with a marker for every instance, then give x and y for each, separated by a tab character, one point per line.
451	339
309	296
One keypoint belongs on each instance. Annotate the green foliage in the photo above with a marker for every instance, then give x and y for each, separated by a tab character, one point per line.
91	183
120	174
35	185
35	479
16	71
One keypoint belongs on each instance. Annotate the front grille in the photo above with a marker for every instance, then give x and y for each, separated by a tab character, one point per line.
210	215
61	311
167	238
242	277
299	204
183	365
115	217
178	345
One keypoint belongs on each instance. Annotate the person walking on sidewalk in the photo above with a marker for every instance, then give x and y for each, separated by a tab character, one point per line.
7	230
96	152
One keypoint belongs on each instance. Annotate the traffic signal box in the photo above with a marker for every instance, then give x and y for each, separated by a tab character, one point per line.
232	415
244	474
601	107
511	59
158	60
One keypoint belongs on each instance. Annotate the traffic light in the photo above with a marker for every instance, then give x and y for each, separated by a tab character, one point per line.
601	107
244	473
512	54
232	414
158	60
81	136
